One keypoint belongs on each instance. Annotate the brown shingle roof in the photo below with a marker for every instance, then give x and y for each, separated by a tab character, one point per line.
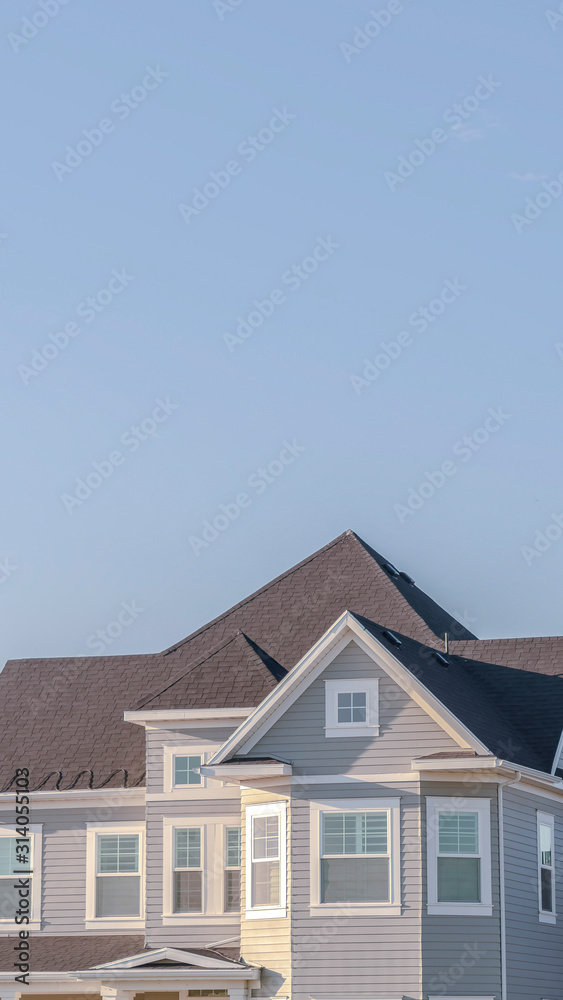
52	953
542	654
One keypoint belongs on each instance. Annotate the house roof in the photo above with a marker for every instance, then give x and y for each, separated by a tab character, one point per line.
542	654
75	732
65	954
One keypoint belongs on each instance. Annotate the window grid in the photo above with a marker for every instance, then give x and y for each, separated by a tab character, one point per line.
546	863
15	857
352	707
188	870
231	903
355	857
185	770
265	856
458	857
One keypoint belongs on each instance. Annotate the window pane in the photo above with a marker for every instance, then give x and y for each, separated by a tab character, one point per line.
117	896
232	891
355	833
545	844
187	892
352	707
459	833
184	771
187	848
546	890
9	899
265	836
9	860
459	880
354	880
232	852
266	883
118	853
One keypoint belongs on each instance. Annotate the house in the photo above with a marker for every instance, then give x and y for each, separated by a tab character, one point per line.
309	798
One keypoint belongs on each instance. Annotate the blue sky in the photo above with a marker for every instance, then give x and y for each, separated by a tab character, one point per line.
362	276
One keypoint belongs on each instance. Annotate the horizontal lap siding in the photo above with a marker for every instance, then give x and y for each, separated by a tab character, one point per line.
374	956
157	739
534	950
458	952
406	731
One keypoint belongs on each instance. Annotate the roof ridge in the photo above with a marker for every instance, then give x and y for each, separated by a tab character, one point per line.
257	593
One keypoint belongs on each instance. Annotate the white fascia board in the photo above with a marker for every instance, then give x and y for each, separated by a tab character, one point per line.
456	764
161	954
217	716
81	797
345	628
172	974
241	771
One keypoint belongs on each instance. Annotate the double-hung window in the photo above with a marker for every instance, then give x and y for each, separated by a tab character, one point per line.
20	858
459	856
266	861
115	875
232	869
355	860
546	868
188	870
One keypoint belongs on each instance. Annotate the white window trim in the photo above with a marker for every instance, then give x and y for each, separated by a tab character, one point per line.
547	916
266	809
36	834
112	923
212	861
369	685
393	809
205	751
434	805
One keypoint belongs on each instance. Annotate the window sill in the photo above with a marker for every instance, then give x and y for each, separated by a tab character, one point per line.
172	919
355	910
351	731
459	910
267	913
547	918
114	924
9	926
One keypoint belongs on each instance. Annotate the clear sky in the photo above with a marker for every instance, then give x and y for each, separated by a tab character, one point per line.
313	237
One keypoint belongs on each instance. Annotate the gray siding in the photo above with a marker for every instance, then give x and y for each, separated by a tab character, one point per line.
156	740
462	954
534	950
406	730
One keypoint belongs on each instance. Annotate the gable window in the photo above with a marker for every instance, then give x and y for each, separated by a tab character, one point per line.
188	873
459	856
546	868
114	875
351	707
266	866
186	770
20	858
355	859
232	869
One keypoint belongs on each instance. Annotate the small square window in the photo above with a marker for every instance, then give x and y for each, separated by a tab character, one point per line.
186	770
352	707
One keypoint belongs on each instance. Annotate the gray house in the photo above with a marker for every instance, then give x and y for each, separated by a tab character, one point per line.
314	797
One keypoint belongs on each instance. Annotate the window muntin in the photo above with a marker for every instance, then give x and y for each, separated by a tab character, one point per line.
355	860
458	863
265	860
546	864
186	771
118	875
231	876
15	862
187	871
351	706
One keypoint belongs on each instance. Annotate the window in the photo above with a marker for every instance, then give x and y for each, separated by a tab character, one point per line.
546	868
118	878
188	875
232	869
459	856
115	876
351	707
357	847
186	771
266	867
20	858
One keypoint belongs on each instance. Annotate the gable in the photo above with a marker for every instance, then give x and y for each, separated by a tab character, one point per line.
406	730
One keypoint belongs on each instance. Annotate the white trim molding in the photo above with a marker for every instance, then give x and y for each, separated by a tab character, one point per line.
392	808
440	804
35	830
369	687
101	924
203	750
279	809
